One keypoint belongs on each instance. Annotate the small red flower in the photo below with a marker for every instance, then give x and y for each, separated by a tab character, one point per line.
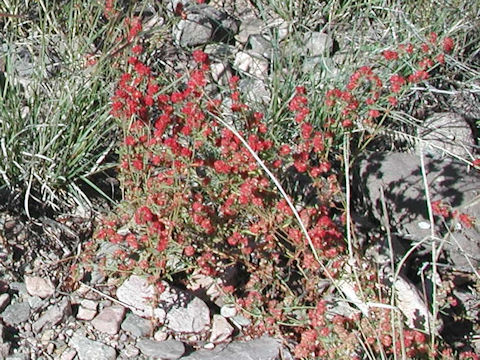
284	150
189	250
200	57
374	113
143	215
448	44
137	49
390	55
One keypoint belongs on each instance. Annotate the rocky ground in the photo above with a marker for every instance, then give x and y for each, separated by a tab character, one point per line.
45	316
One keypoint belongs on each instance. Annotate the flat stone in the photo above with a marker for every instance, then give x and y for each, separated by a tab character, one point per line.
264	348
318	44
35	302
109	319
249	27
411	304
228	310
252	63
87	310
445	133
19	287
139	294
4	349
137	326
192	318
54	315
260	45
91	350
85	314
89	304
68	354
221	329
15	314
38	286
130	351
193	31
449	181
165	350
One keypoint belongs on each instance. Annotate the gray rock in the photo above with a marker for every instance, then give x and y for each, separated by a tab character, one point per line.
177	308
16	313
264	348
193	317
447	133
228	310
203	24
249	27
258	44
19	287
130	351
35	302
137	326
165	350
68	354
448	180
318	44
54	315
109	319
255	90
193	31
91	350
4	350
38	286
251	63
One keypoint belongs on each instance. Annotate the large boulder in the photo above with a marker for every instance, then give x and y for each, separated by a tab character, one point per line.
399	176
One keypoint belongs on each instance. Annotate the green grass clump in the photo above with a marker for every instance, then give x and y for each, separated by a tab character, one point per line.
55	127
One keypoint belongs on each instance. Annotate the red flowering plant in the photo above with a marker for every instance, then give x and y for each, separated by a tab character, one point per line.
202	195
374	93
193	180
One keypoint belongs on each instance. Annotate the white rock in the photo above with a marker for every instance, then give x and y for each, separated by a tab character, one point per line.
251	63
87	310
85	313
228	310
221	329
139	295
37	286
411	304
68	354
194	317
160	335
423	225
